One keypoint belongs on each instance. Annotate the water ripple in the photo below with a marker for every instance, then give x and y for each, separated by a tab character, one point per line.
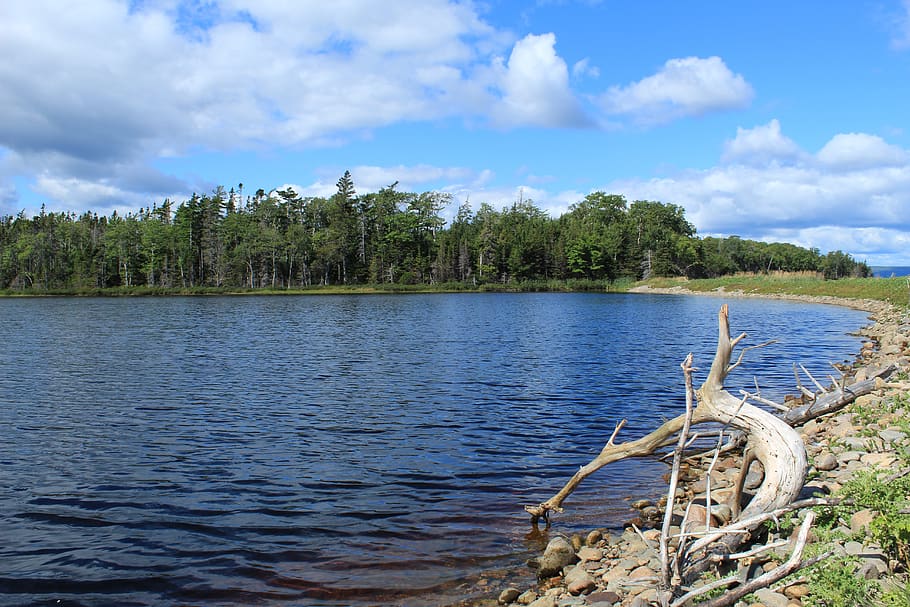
334	450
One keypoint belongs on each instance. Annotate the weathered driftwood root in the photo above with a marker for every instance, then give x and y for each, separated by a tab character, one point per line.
775	444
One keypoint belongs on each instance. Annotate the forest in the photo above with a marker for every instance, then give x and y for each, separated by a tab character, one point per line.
282	240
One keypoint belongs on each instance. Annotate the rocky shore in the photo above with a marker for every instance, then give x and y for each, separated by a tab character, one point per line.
609	569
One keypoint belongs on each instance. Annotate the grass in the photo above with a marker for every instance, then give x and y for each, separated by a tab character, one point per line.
892	290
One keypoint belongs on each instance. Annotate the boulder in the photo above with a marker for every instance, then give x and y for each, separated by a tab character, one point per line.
558	554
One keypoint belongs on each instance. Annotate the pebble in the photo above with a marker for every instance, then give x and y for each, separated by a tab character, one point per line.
826	462
509	595
771	598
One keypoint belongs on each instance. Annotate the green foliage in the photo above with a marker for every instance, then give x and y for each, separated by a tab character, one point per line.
879	491
833	583
280	240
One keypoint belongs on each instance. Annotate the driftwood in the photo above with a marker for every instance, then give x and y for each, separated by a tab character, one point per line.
772	441
768	438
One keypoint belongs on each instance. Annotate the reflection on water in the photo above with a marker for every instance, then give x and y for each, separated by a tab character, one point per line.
335	450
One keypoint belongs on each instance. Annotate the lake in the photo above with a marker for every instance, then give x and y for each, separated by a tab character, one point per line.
338	450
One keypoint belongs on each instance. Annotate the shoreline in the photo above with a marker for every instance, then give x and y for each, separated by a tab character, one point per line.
607	567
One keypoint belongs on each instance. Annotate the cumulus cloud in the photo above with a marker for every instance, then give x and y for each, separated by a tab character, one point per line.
690	86
761	145
535	86
99	92
851	195
860	150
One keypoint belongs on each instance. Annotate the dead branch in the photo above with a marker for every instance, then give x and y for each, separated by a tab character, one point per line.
794	563
834	401
645	445
666	581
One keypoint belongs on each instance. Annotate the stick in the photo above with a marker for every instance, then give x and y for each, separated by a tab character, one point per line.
674	478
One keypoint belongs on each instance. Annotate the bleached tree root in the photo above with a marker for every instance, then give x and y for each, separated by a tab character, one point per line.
771	440
768	438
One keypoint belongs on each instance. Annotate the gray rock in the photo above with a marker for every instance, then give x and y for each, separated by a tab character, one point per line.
892	436
849	456
771	598
853	548
856	443
527	597
754	479
826	462
558	554
570	601
872	568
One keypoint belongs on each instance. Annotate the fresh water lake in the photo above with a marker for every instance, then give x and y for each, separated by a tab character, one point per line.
339	450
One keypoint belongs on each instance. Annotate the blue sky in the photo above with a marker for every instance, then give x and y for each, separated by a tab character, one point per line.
778	121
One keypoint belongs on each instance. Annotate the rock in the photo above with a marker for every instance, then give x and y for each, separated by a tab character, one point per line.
607	596
590	554
593	538
860	520
771	598
579	581
570	601
853	548
892	435
652	535
641	572
641	504
544	601
509	595
556	556
721	513
856	443
796	591
754	479
617	573
527	597
645	599
826	462
849	456
872	568
650	513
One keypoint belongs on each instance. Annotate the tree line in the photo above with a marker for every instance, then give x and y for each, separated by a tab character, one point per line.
282	240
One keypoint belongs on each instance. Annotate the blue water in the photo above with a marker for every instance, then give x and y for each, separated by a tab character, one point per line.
338	450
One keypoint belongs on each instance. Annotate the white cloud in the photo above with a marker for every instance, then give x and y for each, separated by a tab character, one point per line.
829	201
690	86
584	68
535	86
761	145
859	150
